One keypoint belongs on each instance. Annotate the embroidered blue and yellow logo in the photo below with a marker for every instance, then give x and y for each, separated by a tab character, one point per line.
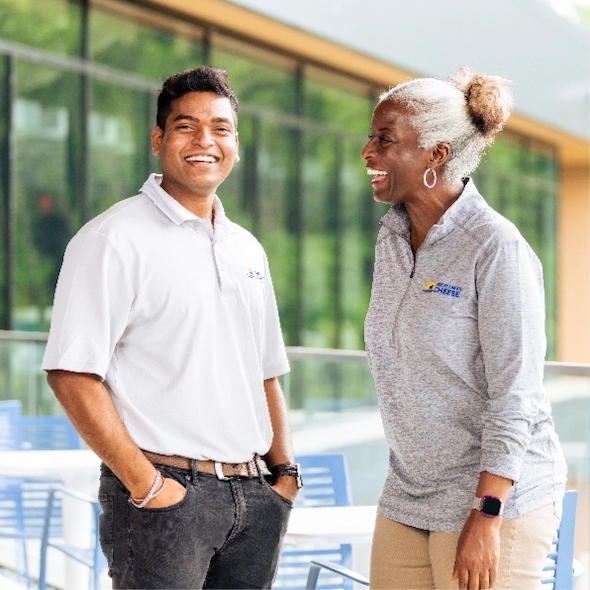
442	289
255	274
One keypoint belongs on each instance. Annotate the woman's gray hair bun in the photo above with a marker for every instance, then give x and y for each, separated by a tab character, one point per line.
466	111
489	100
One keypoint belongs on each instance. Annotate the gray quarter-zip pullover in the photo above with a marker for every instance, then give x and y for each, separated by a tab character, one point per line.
456	344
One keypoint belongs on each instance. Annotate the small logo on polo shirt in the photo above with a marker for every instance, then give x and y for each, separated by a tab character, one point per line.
254	274
442	289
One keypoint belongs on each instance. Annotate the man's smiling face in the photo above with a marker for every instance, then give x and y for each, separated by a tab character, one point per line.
199	145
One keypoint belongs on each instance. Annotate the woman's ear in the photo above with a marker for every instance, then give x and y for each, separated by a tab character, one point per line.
439	154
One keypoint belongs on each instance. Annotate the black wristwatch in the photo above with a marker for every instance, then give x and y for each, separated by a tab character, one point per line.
292	470
489	506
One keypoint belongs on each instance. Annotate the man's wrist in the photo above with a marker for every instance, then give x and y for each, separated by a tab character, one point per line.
141	483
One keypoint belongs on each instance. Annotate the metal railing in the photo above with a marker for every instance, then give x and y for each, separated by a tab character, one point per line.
320	379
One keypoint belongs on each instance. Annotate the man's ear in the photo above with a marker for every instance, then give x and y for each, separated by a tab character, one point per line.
156	139
237	145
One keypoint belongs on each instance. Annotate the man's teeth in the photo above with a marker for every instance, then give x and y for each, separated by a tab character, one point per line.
210	159
372	172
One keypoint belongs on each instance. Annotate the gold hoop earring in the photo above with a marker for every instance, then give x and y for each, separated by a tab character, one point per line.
433	178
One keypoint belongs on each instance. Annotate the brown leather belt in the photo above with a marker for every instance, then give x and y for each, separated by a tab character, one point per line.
253	468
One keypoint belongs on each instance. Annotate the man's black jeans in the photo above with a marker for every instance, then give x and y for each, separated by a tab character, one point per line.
223	534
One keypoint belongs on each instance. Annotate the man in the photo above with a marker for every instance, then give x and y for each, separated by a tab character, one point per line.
164	350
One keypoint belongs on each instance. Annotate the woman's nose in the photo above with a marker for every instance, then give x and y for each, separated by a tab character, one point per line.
367	150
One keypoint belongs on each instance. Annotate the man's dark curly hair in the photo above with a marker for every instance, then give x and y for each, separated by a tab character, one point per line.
202	79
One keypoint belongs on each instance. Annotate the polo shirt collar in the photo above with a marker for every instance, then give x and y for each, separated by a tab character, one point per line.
178	214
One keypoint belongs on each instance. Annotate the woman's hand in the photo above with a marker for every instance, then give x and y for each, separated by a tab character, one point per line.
478	553
172	493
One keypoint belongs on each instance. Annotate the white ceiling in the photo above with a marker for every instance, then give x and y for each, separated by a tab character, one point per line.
546	56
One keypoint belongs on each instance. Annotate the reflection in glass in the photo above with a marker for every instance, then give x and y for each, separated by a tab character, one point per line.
5	286
51	25
256	83
48	209
119	144
144	43
520	182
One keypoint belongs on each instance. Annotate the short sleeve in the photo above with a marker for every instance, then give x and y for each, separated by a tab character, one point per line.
92	304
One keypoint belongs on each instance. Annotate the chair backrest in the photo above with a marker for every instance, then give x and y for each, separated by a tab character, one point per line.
325	483
560	561
325	479
28	496
23	500
48	433
10	413
90	555
11	509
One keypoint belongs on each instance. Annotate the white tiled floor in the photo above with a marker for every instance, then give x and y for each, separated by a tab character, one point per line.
9	583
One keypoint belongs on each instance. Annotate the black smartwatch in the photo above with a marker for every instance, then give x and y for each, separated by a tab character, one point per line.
489	506
292	470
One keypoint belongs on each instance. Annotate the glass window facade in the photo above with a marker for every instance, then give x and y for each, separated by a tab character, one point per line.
75	140
50	25
47	212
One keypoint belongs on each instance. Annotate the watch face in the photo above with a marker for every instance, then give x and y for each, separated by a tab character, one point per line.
491	506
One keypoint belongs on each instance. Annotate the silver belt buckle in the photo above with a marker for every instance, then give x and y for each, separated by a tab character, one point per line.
219	470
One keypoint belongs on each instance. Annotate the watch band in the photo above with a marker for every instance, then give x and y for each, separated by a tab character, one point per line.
490	506
292	470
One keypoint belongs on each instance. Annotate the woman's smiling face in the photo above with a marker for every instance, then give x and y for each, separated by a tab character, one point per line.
392	155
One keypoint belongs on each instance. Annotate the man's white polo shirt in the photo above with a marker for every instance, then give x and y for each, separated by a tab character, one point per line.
179	320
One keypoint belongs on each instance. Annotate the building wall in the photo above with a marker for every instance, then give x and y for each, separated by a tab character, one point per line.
573	318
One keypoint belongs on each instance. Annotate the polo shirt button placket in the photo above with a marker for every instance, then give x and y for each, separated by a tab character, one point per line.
225	280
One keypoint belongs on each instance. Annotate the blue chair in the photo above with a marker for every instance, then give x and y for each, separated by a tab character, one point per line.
326	483
48	432
565	570
23	500
332	568
90	556
10	415
12	524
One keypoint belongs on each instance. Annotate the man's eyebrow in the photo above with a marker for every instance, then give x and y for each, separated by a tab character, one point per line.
182	117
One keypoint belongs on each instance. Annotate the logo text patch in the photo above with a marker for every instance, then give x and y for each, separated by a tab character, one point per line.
442	289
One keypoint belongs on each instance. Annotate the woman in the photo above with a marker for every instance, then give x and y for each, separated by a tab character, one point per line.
456	344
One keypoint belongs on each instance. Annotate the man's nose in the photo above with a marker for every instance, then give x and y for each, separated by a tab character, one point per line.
203	137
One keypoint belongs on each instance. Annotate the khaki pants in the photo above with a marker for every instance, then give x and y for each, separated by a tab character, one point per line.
403	557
